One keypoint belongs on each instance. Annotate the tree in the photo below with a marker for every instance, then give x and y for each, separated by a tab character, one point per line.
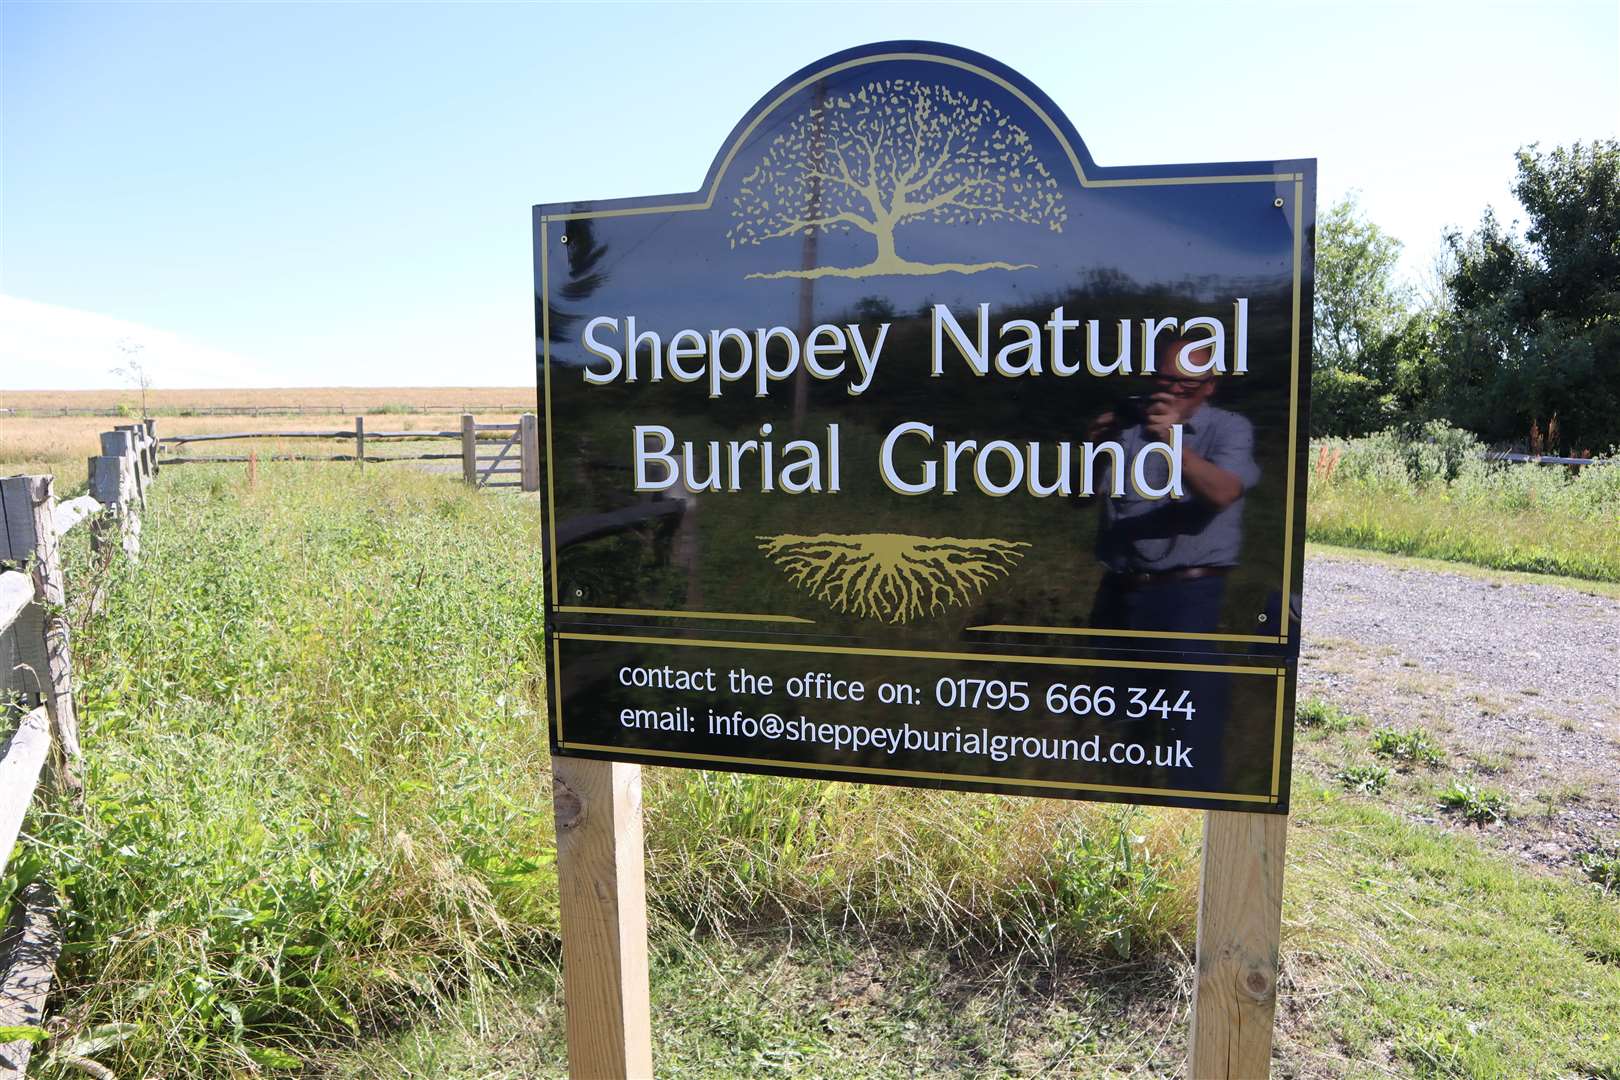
893	152
1361	333
1533	326
1358	302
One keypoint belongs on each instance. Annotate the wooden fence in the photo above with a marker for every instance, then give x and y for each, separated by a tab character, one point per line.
36	681
516	449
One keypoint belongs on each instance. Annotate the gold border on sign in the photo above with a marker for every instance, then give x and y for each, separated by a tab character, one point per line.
965	778
571	609
1284	607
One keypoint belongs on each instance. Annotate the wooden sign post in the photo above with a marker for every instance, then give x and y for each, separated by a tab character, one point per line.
1239	922
999	458
602	892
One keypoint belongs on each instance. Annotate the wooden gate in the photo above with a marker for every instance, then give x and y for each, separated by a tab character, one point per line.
516	456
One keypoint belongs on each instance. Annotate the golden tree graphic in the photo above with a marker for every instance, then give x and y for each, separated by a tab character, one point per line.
891	152
889	576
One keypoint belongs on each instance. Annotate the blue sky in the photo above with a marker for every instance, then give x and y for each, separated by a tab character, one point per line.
324	194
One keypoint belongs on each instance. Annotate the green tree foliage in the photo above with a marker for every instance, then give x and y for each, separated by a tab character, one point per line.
1365	334
1533	321
1358	302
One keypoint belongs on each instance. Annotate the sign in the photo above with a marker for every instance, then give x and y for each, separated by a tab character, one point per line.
915	447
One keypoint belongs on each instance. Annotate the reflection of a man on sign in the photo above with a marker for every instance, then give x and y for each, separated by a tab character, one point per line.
1166	559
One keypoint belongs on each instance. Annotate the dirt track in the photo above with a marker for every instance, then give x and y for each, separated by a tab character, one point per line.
1520	682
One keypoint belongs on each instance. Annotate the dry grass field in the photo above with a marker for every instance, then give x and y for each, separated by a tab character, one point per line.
60	445
339	398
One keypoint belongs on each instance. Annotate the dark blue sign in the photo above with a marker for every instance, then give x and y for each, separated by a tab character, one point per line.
914	447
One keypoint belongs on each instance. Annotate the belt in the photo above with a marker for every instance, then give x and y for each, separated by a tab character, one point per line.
1137	580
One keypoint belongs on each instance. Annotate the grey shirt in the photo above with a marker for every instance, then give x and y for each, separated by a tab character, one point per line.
1139	535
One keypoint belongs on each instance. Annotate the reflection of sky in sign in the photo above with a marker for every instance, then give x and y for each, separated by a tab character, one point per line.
675	270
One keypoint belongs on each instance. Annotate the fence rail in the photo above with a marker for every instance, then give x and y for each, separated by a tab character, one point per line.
36	673
477	468
1543	459
340	409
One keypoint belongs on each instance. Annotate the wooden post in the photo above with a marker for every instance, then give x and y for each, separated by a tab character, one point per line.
469	449
529	428
1239	925
603	899
29	948
151	434
112	486
137	439
121	445
28	504
360	442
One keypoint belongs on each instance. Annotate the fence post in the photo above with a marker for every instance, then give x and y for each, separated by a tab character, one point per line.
360	442
602	895
120	444
34	941
137	437
110	485
529	430
28	505
151	435
469	449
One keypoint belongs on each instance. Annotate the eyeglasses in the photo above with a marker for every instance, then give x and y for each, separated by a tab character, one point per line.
1183	384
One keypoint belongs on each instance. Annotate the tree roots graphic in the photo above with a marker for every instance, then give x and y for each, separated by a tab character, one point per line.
888	576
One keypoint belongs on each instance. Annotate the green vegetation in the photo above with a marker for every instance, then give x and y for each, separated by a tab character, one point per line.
1434	495
1407	748
1365	779
317	835
1317	713
1477	805
1513	339
1602	866
318	792
1420	954
1448	959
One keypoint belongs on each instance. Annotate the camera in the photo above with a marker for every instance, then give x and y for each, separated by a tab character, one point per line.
1131	410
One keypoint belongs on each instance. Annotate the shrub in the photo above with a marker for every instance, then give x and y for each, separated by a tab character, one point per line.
1602	866
1367	779
1318	713
1407	748
1479	806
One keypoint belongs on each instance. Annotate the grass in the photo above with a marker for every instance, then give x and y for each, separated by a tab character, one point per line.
1602	866
317	833
318	794
1434	497
1406	952
1434	528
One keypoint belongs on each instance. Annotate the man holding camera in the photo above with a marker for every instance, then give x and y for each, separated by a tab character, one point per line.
1165	560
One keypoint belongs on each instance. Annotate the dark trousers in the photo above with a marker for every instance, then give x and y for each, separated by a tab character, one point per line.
1181	607
1184	607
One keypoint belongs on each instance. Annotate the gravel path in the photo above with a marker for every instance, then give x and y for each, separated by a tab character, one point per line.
1520	681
